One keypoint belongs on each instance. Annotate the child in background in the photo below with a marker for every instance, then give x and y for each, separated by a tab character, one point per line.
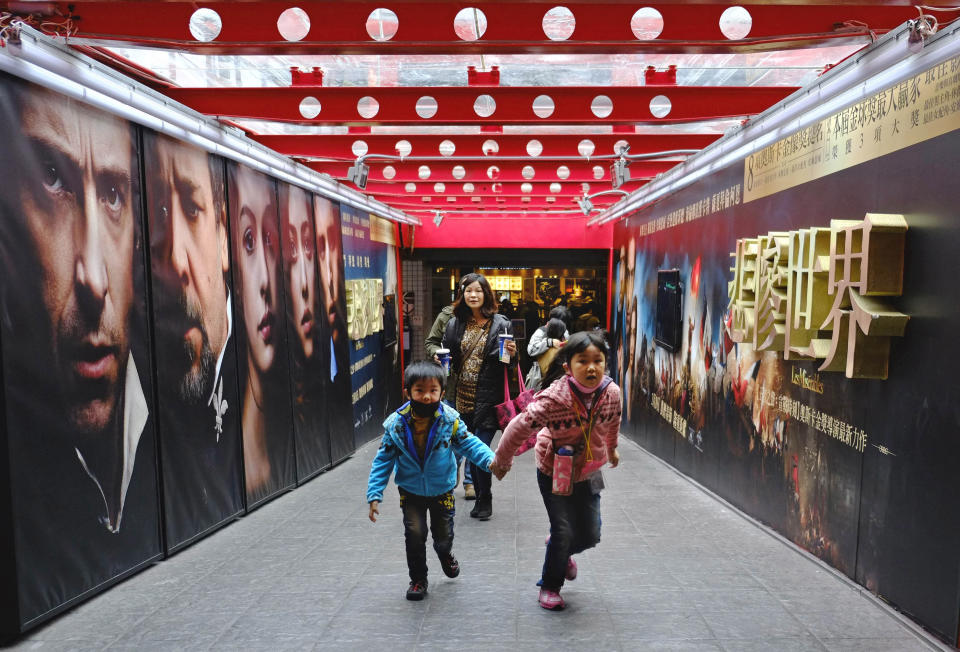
420	441
581	410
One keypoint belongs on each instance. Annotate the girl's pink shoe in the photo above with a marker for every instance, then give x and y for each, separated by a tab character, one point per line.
551	600
571	569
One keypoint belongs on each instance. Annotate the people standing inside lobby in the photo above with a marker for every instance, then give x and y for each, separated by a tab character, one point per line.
473	335
544	344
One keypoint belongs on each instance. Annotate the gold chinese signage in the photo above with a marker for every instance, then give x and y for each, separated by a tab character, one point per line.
821	293
364	307
916	109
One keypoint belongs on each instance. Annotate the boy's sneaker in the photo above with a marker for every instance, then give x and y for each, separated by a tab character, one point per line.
417	590
571	573
551	600
450	565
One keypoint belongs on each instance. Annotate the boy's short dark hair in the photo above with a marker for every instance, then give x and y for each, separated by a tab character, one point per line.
423	370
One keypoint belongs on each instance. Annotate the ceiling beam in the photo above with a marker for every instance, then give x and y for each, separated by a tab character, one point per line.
502	189
455	104
506	171
499	203
340	146
511	27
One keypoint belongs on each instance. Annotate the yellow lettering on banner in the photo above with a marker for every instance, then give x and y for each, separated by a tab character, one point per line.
743	290
771	298
866	262
914	110
364	307
790	290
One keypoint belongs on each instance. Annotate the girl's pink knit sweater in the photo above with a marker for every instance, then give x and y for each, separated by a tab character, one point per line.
553	415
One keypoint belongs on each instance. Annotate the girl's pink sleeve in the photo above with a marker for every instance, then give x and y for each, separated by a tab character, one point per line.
611	431
518	431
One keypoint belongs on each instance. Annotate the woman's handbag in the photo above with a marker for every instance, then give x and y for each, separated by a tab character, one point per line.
511	407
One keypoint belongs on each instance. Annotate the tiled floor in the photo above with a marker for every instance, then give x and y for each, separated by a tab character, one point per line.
676	570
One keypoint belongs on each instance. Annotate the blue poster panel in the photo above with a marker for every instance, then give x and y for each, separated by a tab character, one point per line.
79	425
266	424
371	272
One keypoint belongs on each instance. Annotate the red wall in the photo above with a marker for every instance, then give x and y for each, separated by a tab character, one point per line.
509	233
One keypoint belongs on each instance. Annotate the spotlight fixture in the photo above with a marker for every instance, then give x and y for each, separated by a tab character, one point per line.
358	173
585	205
437	217
921	29
619	172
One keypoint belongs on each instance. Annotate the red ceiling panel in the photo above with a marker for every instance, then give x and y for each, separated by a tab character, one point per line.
455	105
340	146
511	27
505	171
501	189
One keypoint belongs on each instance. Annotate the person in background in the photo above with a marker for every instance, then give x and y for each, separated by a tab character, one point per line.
431	344
472	336
550	339
419	443
540	343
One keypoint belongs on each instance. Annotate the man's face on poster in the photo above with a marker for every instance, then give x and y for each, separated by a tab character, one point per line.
189	257
329	252
77	201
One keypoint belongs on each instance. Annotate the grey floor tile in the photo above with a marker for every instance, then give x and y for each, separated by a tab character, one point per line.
807	643
772	621
706	645
875	645
675	570
682	624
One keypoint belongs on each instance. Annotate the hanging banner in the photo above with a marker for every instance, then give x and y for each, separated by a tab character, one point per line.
917	109
264	370
195	336
307	330
371	273
76	359
336	348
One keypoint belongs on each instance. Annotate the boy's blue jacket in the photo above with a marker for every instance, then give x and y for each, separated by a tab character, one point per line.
437	474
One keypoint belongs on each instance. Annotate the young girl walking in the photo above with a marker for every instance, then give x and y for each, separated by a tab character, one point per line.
578	415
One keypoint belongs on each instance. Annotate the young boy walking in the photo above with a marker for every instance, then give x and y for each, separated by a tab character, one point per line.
420	443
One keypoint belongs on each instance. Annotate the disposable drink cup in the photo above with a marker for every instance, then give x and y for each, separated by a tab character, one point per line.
504	355
444	356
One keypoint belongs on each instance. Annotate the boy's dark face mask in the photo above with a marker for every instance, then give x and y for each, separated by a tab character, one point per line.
424	409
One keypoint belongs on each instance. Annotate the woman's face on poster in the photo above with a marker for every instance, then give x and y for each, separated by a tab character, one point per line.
301	277
329	252
257	247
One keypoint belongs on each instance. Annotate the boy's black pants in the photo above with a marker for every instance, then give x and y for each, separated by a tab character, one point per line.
415	508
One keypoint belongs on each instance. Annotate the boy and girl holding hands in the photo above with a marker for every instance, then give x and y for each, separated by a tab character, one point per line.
581	410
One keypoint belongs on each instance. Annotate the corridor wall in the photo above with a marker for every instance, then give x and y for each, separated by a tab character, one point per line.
166	319
759	405
369	247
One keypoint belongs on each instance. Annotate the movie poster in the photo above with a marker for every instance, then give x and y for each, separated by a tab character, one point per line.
307	330
76	358
266	423
195	338
813	384
335	349
370	267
